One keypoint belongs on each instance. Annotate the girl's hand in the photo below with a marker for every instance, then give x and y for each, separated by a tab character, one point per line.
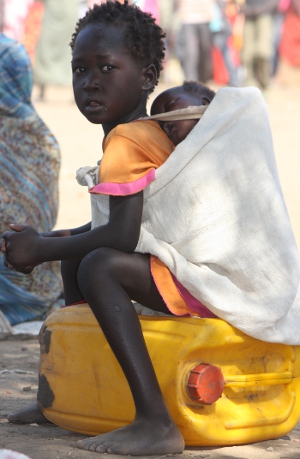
7	263
27	270
2	244
21	248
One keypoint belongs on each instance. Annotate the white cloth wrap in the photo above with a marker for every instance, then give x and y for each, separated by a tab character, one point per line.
216	216
189	113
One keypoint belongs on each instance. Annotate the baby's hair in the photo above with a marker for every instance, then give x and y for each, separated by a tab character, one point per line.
198	90
144	39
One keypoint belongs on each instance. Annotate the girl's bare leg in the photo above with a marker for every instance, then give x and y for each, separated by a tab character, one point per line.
69	271
108	280
32	413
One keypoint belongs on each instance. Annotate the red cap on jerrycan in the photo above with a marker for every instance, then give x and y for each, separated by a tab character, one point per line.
205	384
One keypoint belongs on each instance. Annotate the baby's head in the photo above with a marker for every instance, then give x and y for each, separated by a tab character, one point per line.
189	94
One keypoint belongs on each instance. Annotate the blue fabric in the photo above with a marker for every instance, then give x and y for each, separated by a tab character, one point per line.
17	304
216	24
16	79
29	169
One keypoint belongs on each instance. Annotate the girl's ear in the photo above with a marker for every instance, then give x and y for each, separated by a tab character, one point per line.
149	77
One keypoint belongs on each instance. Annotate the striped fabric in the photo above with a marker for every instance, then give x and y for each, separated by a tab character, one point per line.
29	169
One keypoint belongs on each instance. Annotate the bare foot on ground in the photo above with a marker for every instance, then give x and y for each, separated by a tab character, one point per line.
137	439
28	415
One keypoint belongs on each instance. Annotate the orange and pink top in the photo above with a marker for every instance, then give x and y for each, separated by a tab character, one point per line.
131	154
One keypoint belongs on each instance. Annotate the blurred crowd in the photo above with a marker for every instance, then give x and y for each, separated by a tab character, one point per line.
230	42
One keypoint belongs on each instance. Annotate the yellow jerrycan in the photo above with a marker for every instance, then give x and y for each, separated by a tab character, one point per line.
222	387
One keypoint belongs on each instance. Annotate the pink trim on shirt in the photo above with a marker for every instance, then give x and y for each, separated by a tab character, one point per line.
124	189
192	302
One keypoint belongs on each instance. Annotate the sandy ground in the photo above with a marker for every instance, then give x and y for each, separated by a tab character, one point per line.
81	145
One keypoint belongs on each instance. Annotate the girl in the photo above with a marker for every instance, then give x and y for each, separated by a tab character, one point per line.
117	59
210	219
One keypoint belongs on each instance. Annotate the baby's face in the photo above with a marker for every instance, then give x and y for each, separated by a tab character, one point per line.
175	99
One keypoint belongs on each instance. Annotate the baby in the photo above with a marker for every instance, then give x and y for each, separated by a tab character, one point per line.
190	94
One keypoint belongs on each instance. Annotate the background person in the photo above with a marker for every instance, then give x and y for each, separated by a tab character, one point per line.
53	56
257	49
194	38
29	169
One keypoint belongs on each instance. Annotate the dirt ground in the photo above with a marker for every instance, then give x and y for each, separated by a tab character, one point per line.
81	145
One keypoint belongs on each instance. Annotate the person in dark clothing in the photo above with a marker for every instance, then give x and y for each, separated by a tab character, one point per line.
257	41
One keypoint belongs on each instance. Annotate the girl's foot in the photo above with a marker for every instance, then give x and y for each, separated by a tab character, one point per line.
137	439
29	415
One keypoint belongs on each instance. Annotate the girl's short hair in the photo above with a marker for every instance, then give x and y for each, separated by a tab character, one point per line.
144	39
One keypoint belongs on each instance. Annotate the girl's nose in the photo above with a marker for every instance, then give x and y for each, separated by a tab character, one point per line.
91	84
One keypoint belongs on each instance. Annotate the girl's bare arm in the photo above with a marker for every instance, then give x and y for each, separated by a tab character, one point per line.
26	247
67	232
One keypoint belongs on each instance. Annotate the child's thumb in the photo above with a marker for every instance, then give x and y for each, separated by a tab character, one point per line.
17	228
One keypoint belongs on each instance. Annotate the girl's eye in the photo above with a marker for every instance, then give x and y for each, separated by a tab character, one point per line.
79	70
107	68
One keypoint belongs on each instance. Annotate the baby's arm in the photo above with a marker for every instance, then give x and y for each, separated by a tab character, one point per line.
25	247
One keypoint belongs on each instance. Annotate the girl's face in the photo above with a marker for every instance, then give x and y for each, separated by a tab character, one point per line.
110	87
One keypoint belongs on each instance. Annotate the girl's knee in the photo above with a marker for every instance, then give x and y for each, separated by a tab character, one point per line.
97	265
99	259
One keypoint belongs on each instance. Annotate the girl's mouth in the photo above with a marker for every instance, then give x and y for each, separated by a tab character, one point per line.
94	105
